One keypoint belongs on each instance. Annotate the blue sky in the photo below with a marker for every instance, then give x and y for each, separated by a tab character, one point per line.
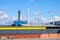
42	6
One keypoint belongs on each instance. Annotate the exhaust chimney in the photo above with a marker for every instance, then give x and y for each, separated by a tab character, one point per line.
19	15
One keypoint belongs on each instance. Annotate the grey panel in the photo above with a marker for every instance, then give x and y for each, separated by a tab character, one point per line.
50	31
8	32
47	31
30	32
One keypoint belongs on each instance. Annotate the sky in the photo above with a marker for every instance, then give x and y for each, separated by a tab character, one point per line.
39	10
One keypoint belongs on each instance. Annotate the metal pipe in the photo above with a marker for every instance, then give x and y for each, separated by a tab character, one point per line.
19	15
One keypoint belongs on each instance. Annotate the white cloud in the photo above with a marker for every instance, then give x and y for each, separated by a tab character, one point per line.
4	9
55	18
16	18
43	19
36	13
3	18
39	17
33	22
3	15
1	12
37	21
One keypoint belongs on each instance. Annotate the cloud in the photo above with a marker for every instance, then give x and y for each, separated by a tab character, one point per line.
33	22
36	13
43	19
37	21
3	18
1	12
4	9
3	15
16	18
39	17
55	18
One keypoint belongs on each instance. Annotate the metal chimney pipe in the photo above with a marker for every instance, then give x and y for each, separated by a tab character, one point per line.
19	15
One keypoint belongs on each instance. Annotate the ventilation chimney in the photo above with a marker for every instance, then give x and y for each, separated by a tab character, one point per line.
18	15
